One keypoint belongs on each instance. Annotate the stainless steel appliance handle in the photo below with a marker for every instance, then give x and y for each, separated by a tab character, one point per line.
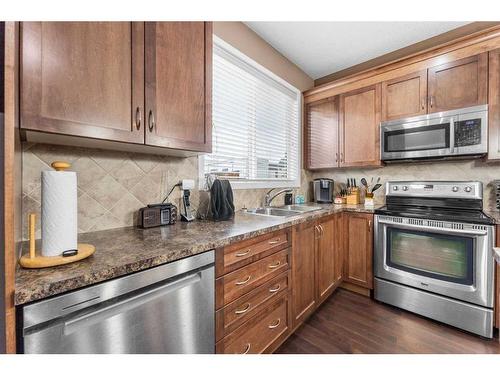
452	135
476	232
128	304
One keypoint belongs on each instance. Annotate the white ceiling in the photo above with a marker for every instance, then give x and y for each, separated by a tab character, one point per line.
321	48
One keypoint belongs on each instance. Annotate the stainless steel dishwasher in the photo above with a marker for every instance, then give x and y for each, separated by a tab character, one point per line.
166	309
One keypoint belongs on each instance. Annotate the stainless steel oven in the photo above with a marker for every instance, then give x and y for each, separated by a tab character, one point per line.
443	134
433	253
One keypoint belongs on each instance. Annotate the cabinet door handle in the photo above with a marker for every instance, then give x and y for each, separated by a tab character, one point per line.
336	157
238	255
274	290
247	349
431	101
274	325
423	104
243	282
151	120
369	226
341	157
316	229
138	118
243	310
322	230
274	242
273	266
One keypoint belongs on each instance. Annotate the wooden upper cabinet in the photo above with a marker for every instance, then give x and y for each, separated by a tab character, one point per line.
358	235
84	79
359	127
458	84
404	96
494	106
321	134
303	271
178	85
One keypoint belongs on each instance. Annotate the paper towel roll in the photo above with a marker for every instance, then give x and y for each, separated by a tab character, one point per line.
59	212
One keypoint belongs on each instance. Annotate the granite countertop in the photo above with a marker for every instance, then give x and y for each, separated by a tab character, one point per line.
126	250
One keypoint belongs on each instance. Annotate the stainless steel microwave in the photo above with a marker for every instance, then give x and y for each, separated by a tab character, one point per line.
444	134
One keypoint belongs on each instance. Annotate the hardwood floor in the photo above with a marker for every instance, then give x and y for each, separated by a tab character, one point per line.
351	323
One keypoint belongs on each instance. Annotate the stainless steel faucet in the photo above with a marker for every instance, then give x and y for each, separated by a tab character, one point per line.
268	198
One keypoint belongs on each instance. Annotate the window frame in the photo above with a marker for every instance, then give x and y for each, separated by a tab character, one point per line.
256	183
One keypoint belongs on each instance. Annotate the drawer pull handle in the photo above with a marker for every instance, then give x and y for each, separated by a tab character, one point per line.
274	242
272	266
244	310
243	253
272	326
274	290
243	282
247	349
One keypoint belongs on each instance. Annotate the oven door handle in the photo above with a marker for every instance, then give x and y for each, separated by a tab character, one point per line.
475	232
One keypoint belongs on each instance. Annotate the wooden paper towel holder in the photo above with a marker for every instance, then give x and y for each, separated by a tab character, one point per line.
32	260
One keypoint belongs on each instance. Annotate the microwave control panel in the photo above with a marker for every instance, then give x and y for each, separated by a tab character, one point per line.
468	132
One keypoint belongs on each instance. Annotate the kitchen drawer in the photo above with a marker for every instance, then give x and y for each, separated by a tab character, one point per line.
237	255
261	333
235	284
245	307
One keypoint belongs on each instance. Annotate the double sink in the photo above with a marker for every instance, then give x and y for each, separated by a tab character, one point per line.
283	211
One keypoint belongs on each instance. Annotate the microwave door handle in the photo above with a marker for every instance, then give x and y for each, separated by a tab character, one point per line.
452	135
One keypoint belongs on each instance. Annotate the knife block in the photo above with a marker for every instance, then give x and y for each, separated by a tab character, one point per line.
354	197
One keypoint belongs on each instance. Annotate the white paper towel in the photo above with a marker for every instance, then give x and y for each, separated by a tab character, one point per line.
59	212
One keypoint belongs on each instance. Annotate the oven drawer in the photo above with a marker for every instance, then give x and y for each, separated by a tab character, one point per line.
237	283
236	313
260	333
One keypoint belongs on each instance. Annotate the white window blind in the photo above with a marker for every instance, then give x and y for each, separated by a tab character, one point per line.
255	134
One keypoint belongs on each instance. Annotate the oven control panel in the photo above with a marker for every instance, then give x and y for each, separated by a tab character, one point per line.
435	189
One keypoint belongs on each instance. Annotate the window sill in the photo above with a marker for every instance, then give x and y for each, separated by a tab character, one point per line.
241	185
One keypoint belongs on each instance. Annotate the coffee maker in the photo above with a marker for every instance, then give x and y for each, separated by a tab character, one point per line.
323	190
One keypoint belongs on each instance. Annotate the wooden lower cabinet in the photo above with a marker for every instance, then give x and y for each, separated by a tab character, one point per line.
262	333
328	258
252	294
358	249
303	271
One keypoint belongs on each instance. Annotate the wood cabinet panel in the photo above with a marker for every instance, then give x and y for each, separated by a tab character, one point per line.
458	84
326	258
303	271
236	313
260	333
405	96
321	134
494	105
359	126
358	235
245	252
239	282
84	79
339	249
178	84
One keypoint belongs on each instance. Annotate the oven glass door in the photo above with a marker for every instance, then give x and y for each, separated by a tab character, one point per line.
435	255
421	138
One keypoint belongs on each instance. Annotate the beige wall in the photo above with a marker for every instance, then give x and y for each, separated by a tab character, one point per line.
248	42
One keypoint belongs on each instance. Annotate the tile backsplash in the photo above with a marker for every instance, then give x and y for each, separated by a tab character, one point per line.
463	170
113	185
